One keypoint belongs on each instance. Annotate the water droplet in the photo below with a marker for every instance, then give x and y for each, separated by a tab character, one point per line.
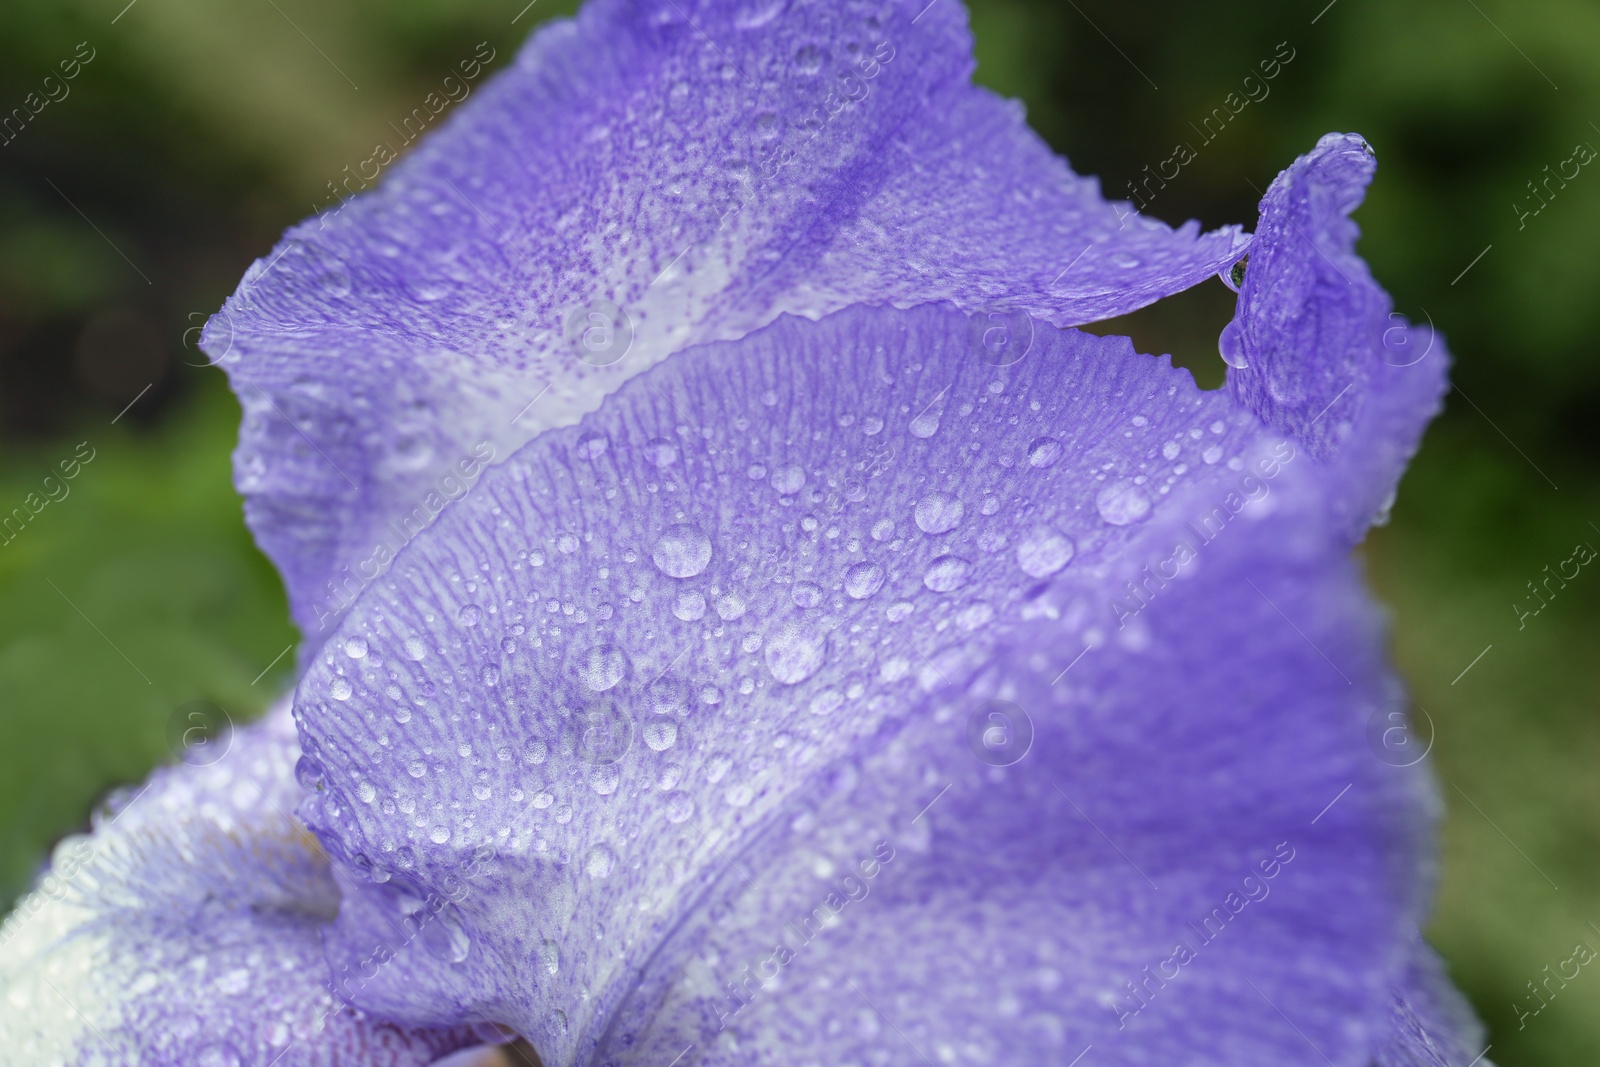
1122	503
1211	453
602	667
550	957
730	606
946	573
862	580
661	452
1170	450
788	480
1043	452
689	606
367	792
593	444
416	768
882	530
808	60
604	778
899	610
806	594
439	834
1043	552
490	676
355	648
926	423
937	513
415	649
339	689
660	734
442	936
1231	344
679	807
600	862
470	615
682	551
794	653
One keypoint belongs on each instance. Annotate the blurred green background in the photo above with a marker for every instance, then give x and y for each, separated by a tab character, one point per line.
199	129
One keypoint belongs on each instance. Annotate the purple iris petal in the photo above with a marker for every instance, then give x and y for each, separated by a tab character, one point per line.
673	679
186	930
648	176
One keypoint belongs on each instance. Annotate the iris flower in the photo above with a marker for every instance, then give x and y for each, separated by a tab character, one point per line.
747	623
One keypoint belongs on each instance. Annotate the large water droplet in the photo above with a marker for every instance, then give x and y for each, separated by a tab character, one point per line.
937	513
415	648
1122	503
339	689
788	480
1231	344
682	551
946	573
470	615
1044	552
443	938
600	862
602	667
660	734
794	653
593	444
355	647
926	423
689	606
661	452
1043	452
862	580
805	594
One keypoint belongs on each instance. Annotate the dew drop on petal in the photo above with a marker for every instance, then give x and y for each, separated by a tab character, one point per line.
937	513
470	615
367	792
439	834
355	647
730	606
794	653
679	807
1044	552
600	862
805	594
1122	503
947	573
593	444
1043	452
862	580
602	667
682	551
883	529
788	480
414	648
689	606
661	452
1230	343
660	734
339	689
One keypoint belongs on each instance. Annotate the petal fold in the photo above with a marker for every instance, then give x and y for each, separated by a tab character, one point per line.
1315	348
1073	641
186	930
652	174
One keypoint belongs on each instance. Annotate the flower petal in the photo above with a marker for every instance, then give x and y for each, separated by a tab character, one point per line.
639	698
1430	1024
648	176
1326	359
185	929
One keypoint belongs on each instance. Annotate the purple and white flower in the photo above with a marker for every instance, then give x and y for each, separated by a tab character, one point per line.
746	623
